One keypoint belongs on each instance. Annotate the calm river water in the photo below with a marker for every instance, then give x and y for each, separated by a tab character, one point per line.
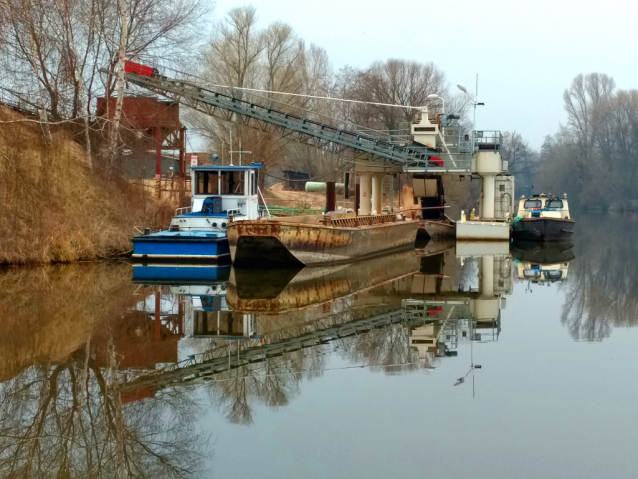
452	361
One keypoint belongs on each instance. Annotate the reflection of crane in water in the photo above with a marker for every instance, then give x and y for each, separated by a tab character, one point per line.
203	367
444	314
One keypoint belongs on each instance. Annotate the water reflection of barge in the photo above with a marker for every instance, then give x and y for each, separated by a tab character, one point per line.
275	291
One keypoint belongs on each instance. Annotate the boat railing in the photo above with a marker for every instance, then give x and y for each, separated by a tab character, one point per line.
183	210
360	220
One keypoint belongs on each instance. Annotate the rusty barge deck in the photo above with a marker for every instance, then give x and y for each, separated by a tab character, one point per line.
317	239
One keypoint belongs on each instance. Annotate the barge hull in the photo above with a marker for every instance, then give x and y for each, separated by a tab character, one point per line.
444	228
543	229
270	243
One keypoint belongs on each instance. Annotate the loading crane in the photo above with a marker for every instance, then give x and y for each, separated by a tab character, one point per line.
435	148
211	102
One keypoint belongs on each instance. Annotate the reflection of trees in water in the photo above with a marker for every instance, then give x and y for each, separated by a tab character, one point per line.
67	420
273	382
384	349
276	381
602	286
60	411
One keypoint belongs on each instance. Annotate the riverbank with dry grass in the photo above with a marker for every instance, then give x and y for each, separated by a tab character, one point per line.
54	209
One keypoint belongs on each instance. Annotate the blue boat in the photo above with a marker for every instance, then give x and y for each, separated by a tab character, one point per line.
220	194
201	290
162	273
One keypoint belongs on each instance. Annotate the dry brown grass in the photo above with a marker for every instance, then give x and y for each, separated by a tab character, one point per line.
54	209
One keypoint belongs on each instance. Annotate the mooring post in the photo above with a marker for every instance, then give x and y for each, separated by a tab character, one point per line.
346	185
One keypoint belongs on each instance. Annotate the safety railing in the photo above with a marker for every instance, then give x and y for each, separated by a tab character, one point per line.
357	221
487	140
183	210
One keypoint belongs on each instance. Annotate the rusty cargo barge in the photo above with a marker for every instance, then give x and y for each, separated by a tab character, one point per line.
318	239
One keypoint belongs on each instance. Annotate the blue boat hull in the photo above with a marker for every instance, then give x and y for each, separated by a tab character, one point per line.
200	247
179	274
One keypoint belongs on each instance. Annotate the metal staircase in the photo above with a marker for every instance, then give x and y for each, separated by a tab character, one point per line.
323	135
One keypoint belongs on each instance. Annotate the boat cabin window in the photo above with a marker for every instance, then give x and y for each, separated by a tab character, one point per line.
531	273
233	182
254	183
554	274
554	204
529	204
206	183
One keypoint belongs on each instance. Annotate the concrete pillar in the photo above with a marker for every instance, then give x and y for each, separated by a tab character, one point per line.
487	275
365	194
377	193
487	199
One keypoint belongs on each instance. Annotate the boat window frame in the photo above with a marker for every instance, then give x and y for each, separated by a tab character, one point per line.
207	178
551	200
535	200
242	181
537	273
254	178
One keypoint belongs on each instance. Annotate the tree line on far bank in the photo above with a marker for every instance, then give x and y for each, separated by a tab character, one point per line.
259	60
593	158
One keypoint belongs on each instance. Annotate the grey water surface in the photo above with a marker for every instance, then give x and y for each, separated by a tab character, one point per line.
389	368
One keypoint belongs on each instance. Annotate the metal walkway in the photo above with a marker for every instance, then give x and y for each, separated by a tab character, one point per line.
213	103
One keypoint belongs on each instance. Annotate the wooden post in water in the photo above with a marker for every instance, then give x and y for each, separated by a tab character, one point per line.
158	321
331	196
180	315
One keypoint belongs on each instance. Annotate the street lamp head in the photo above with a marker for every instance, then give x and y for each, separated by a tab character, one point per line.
461	87
432	96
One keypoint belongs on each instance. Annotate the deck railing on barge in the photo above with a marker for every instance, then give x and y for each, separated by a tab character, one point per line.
357	221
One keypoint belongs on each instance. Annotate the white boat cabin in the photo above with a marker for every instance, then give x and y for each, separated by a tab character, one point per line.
219	192
207	314
543	206
542	273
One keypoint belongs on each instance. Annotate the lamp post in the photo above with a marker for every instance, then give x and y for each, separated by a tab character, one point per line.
434	96
476	103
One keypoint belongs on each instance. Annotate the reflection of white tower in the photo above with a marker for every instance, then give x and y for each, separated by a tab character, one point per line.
438	334
495	281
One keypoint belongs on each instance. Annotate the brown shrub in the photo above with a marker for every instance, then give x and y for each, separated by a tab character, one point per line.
54	209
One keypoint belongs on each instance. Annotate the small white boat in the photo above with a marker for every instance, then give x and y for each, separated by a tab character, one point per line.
220	194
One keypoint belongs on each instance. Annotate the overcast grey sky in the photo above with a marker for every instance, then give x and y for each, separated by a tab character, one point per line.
525	52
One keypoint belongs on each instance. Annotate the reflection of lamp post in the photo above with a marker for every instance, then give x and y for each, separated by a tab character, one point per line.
434	96
473	366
